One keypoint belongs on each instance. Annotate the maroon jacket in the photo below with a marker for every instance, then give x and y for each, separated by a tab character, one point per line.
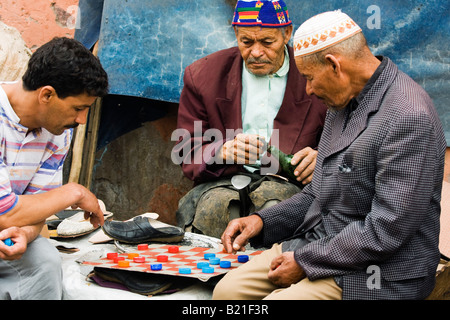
212	94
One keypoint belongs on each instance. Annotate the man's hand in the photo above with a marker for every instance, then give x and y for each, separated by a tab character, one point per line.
305	160
243	149
91	206
239	231
285	271
19	237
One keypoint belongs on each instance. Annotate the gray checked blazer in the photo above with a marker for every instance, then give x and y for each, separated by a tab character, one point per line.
377	189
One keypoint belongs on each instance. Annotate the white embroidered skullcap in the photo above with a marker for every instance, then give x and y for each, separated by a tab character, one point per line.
322	31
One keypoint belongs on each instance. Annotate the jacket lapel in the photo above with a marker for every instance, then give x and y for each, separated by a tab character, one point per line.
230	106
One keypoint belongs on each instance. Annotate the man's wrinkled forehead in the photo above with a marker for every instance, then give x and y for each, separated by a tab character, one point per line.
258	33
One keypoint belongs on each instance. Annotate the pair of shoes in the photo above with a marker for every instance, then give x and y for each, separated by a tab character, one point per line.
142	229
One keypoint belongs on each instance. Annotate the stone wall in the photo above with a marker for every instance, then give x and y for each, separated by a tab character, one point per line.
134	173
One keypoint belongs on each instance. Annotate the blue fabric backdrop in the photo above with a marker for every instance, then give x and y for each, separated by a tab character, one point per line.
146	44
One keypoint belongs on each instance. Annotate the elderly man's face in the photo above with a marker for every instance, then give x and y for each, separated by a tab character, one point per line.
323	82
262	48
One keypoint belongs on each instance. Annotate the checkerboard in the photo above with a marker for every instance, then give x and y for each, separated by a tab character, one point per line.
186	257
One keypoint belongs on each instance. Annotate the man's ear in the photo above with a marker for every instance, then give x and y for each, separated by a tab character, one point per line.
236	31
333	62
288	34
46	93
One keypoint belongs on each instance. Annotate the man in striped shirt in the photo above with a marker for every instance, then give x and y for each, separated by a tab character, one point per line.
37	117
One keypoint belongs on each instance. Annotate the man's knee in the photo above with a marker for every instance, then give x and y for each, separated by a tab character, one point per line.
213	211
224	290
46	263
43	252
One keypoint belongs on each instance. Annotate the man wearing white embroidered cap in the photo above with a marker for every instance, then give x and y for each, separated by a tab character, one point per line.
335	40
367	227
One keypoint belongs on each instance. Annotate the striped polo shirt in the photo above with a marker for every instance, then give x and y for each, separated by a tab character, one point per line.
30	161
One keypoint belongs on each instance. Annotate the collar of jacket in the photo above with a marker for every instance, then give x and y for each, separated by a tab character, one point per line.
339	138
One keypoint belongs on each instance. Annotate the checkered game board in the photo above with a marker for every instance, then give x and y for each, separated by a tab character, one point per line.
144	259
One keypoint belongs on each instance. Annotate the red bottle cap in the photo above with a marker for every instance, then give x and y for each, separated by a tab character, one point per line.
111	255
143	246
162	258
117	259
173	249
139	259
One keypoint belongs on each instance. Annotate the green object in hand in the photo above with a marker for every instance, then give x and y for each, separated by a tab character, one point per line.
284	160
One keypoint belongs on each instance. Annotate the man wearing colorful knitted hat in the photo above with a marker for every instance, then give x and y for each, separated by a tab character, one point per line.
246	97
367	226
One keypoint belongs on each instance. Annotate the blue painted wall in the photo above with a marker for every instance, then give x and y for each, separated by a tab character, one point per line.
146	44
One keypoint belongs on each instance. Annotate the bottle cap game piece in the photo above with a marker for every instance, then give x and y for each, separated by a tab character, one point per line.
8	242
208	256
117	259
139	259
225	264
156	266
124	263
243	258
214	260
184	270
202	264
173	249
111	255
133	255
208	270
143	246
162	258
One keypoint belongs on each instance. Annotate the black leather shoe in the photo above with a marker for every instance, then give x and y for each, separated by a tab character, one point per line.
142	229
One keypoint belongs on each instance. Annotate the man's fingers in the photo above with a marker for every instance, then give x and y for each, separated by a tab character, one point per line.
240	242
95	219
275	263
305	160
243	149
305	173
229	235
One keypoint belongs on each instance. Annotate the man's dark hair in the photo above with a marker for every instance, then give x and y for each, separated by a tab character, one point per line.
69	67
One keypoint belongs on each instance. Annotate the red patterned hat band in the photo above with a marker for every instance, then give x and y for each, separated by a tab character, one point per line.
323	31
261	13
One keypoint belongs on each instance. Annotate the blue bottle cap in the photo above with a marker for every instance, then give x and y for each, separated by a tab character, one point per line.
243	258
225	264
208	256
8	242
202	264
184	270
214	260
208	270
156	266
